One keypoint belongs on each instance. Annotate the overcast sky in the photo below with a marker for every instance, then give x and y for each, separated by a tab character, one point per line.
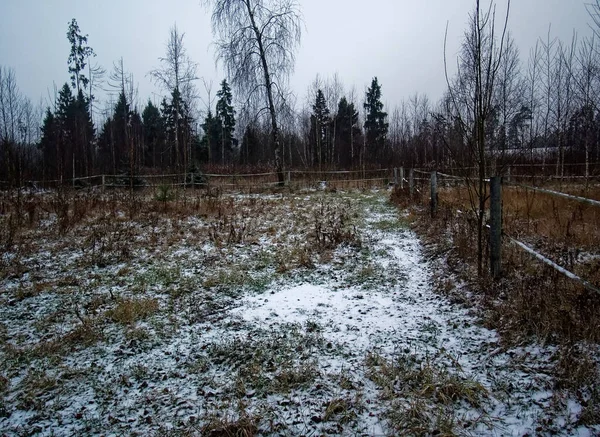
400	41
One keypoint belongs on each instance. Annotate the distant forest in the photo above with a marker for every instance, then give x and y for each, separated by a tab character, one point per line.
499	108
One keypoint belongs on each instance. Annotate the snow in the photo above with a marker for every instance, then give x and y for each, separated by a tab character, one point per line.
193	363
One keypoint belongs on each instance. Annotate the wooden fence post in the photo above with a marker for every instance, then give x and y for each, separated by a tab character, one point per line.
289	178
103	182
395	177
402	178
508	175
434	193
411	182
496	226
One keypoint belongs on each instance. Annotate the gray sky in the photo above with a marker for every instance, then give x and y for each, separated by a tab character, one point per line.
400	41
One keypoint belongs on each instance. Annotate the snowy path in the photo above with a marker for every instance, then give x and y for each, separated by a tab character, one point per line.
359	344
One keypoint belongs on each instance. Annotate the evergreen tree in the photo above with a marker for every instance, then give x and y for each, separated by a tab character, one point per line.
66	132
154	138
80	52
211	141
49	145
84	136
249	151
320	122
376	125
107	154
226	116
347	132
178	129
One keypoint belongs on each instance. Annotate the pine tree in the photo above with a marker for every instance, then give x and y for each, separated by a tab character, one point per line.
376	125
226	116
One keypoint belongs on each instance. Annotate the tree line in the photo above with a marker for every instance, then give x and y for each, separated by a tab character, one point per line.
544	109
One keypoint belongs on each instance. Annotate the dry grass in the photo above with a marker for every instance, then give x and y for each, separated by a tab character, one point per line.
129	311
531	300
425	395
245	426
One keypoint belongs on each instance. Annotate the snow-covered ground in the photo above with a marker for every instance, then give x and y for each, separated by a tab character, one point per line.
265	334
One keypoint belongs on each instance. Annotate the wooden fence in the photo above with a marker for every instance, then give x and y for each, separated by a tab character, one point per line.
496	231
294	179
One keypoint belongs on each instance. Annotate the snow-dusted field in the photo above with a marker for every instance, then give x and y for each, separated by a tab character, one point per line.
296	314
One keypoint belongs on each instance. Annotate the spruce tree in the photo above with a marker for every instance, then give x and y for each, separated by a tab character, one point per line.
211	141
347	132
178	128
153	128
84	136
49	145
66	132
320	122
226	116
376	125
80	52
249	151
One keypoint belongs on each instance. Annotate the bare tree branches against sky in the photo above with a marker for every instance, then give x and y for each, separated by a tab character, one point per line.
399	41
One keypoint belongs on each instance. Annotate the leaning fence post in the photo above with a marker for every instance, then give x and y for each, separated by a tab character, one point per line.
496	226
402	178
434	193
411	182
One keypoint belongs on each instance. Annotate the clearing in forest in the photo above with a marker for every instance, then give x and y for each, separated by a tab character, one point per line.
290	314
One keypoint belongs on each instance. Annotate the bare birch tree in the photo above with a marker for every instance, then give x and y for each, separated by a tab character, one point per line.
256	41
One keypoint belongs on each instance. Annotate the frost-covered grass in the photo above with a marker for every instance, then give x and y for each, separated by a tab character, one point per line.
305	313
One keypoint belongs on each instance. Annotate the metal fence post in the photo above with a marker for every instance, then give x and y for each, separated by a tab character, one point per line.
434	193
496	226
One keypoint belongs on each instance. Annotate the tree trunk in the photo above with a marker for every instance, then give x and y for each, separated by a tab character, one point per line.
269	88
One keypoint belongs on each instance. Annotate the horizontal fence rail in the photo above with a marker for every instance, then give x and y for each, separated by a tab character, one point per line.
559	194
295	178
555	266
434	178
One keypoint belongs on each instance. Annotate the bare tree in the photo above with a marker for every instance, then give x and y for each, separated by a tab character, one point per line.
533	95
334	88
509	98
177	75
472	100
352	100
11	111
256	43
588	86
